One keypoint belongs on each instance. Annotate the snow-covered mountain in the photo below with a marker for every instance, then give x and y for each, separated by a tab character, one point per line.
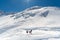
44	21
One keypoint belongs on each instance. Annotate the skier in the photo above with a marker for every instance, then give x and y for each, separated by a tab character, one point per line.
30	31
27	31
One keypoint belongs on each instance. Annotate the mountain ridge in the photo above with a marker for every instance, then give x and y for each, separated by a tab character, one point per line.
45	23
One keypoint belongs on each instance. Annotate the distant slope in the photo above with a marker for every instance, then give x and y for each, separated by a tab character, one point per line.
45	19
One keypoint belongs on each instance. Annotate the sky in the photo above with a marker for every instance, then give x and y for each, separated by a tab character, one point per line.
20	5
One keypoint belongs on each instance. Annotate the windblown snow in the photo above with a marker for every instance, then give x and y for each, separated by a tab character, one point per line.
43	21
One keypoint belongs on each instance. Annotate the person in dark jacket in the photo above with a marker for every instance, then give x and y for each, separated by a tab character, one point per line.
29	31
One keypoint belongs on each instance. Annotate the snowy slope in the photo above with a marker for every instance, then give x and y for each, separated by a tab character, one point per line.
44	21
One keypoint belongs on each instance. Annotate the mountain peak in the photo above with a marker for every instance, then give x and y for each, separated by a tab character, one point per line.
34	7
36	11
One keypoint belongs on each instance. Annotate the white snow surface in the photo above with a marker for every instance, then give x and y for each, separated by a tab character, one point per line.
44	23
